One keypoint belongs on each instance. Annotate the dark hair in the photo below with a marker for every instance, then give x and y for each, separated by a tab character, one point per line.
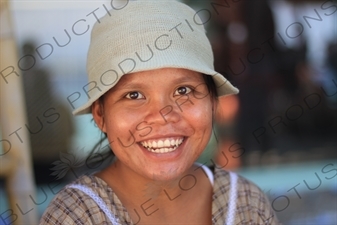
98	157
209	81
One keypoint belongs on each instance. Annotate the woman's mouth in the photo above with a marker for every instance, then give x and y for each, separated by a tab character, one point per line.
164	145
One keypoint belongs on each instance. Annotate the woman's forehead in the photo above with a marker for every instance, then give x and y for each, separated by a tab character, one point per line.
163	75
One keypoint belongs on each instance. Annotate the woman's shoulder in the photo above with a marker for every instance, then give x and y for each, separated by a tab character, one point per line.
249	200
81	202
78	190
224	179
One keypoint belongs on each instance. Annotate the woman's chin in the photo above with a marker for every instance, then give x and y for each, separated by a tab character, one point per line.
165	173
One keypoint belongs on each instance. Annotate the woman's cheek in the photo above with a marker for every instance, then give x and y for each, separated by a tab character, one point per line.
201	112
121	128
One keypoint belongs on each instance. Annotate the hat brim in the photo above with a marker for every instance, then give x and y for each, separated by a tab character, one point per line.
223	86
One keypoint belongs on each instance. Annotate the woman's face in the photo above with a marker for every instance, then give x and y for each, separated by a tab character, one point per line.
158	122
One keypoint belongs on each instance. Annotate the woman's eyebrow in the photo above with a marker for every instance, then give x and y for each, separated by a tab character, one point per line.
138	84
132	85
188	79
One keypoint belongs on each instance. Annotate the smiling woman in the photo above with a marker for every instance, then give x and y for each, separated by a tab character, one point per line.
139	97
158	119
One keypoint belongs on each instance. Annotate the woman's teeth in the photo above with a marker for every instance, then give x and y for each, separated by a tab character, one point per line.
162	146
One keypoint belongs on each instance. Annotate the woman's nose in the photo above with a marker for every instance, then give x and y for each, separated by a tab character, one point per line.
162	111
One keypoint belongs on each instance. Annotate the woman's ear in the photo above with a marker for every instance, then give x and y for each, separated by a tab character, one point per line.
215	103
98	115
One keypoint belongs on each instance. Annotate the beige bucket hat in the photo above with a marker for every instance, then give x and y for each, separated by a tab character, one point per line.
146	35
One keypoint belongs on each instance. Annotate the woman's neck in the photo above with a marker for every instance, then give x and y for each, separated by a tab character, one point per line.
145	198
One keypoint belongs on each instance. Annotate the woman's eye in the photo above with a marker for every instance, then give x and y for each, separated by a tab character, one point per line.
182	91
134	95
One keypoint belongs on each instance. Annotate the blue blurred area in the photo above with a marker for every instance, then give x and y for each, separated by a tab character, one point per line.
300	193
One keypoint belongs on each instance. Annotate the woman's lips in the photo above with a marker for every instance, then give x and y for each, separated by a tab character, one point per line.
162	145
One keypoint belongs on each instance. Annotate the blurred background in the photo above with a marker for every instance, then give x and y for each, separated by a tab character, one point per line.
280	131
